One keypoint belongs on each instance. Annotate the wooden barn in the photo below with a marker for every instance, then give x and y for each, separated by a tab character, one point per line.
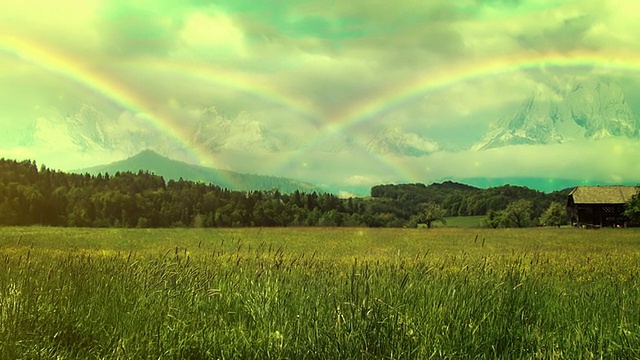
598	206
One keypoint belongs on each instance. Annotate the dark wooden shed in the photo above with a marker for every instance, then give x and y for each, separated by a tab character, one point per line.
598	206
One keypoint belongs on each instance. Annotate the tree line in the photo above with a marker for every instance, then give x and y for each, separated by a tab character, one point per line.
30	195
505	206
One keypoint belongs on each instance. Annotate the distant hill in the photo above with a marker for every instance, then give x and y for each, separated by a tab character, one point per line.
541	184
470	184
420	192
170	169
459	199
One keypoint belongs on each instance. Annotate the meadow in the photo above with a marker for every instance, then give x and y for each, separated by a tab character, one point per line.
320	293
461	222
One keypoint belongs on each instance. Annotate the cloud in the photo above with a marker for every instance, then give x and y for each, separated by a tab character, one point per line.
60	158
359	180
611	160
133	30
209	36
567	35
302	69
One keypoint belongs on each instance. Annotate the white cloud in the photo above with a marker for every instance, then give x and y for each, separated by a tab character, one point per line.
60	158
359	180
209	36
346	194
604	160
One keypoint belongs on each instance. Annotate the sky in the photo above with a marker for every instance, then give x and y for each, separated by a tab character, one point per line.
355	92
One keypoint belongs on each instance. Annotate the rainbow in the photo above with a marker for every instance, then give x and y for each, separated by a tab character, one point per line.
429	81
131	99
253	85
122	95
367	109
371	108
75	70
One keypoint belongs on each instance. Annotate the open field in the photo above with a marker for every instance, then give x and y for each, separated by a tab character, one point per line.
319	293
462	221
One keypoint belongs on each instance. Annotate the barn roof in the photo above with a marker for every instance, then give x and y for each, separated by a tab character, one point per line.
602	194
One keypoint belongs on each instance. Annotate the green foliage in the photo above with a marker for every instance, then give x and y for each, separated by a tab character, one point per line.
555	215
517	214
430	213
29	196
493	219
459	199
632	208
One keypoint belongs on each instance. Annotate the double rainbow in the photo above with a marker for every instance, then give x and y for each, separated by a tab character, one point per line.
359	112
373	107
132	99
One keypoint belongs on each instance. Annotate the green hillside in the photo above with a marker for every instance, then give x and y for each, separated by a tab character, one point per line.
174	170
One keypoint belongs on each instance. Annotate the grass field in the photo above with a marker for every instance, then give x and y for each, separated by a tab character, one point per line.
319	293
462	221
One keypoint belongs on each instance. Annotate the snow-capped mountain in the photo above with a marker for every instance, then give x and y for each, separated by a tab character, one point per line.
216	132
88	130
389	140
394	140
591	110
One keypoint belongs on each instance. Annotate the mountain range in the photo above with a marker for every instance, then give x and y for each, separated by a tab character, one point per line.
576	111
89	130
582	110
585	110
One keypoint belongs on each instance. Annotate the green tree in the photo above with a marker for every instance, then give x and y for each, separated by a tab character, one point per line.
555	215
493	219
8	216
431	213
517	214
632	207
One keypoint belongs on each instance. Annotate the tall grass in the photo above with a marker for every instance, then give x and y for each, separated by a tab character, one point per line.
323	293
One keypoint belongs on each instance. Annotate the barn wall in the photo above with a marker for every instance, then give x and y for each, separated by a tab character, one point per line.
604	215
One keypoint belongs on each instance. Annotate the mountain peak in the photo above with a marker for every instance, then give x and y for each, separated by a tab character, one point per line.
151	161
588	110
148	154
395	140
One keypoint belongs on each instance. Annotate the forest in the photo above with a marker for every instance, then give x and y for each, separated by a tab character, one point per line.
40	196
